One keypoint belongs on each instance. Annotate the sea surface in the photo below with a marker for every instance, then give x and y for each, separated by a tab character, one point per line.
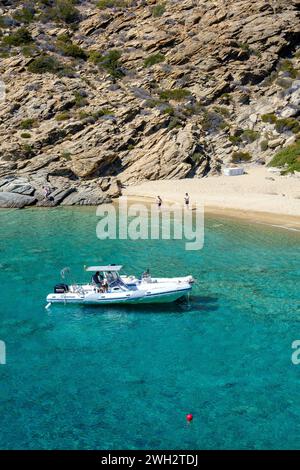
125	377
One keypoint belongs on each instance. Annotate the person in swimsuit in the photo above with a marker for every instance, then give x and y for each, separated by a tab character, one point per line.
159	202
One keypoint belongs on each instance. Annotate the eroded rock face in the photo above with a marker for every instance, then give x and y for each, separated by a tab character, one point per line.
164	155
84	131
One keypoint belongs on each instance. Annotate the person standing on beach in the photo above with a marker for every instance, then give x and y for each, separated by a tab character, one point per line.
187	200
159	202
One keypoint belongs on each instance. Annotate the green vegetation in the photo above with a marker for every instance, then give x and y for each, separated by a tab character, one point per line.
235	139
27	123
264	145
18	38
174	123
83	115
250	136
197	157
169	110
240	157
192	109
207	121
212	121
158	10
66	155
67	12
103	112
271	118
65	45
222	110
62	11
288	158
177	94
29	51
152	103
25	14
154	59
80	99
224	125
27	150
244	46
25	135
287	66
95	57
283	124
62	116
287	124
108	61
226	98
45	63
248	49
102	4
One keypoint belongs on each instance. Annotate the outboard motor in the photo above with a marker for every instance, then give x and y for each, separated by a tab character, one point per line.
61	288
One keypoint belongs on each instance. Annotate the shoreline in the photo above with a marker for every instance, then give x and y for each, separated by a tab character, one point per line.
262	218
257	196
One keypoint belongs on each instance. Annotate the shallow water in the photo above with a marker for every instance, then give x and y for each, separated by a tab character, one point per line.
89	378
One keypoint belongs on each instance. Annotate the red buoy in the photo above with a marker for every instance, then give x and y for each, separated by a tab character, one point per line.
189	417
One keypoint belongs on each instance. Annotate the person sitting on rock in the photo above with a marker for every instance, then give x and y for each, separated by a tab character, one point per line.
47	192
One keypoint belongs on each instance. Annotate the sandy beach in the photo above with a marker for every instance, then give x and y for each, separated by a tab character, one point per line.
259	195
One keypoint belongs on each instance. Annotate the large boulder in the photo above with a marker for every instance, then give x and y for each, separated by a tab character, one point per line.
86	197
15	200
56	197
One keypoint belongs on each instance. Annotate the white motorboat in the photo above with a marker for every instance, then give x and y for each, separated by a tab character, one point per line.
147	279
112	289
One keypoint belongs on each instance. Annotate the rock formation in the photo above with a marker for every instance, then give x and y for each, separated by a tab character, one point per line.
124	91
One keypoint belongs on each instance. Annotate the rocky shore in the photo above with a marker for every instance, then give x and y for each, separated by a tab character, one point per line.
142	90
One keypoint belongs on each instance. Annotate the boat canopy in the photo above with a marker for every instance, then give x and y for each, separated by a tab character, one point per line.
112	268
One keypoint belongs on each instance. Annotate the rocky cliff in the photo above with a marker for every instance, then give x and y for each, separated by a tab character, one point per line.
96	95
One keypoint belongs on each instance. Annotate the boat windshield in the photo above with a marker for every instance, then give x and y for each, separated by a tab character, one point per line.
113	278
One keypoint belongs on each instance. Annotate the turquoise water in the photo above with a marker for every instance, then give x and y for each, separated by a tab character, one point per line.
84	378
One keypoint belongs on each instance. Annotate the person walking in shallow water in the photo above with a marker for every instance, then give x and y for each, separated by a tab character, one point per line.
159	202
187	200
